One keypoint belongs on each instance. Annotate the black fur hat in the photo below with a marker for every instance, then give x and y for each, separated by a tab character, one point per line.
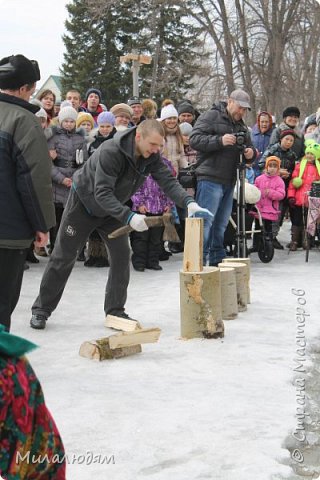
17	70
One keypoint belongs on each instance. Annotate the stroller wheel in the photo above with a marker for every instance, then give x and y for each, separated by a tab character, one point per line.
266	250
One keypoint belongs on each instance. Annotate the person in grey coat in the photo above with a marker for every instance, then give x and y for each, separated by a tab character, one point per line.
68	150
26	204
97	201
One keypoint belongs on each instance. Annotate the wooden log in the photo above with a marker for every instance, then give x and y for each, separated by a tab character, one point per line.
241	270
229	300
122	324
200	304
137	337
193	245
247	261
100	350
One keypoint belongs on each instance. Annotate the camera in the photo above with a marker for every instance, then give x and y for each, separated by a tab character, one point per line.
240	140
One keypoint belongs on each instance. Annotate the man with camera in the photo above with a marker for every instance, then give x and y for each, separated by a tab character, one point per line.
220	135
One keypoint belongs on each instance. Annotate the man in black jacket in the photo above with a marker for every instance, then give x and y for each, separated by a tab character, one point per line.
97	201
213	137
26	206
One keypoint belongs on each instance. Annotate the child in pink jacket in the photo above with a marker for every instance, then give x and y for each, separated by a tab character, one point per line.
272	190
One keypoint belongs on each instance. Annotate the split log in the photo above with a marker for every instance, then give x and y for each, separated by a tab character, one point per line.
100	350
229	301
247	261
241	270
122	324
193	245
137	337
200	304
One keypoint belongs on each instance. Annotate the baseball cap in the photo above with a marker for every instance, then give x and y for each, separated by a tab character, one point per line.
241	97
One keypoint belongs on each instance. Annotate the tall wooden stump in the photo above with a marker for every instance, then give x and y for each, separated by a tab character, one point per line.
200	304
247	261
229	301
241	270
200	291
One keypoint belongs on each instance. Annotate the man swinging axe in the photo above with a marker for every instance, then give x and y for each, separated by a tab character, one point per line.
97	201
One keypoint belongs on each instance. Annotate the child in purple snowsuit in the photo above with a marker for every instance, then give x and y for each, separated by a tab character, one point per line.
151	201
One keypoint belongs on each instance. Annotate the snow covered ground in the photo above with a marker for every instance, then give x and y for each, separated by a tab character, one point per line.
184	410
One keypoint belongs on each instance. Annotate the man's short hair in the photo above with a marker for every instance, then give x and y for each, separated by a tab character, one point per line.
148	126
73	90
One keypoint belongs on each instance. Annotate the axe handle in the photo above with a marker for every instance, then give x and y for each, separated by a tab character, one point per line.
156	221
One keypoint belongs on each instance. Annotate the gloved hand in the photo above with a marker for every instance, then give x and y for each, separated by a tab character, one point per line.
79	157
292	201
137	223
194	208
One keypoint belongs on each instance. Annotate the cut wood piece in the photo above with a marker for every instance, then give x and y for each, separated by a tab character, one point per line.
100	350
144	335
193	245
118	323
200	304
229	301
247	261
241	270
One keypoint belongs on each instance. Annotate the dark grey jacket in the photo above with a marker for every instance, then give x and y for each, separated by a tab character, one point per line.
217	163
112	175
25	183
66	144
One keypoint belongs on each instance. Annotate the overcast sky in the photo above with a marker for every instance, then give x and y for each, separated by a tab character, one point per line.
34	29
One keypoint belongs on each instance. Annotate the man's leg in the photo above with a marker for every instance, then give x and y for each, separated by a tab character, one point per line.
209	195
76	225
11	273
220	222
119	272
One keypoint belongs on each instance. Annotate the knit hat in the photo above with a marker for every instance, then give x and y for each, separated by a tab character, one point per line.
273	158
291	111
42	113
287	131
16	71
313	148
185	107
93	90
106	117
84	117
185	128
167	112
67	113
134	101
122	109
310	120
65	103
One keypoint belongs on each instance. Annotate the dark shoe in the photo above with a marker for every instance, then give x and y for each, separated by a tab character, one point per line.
81	257
154	267
138	269
31	257
26	266
90	262
277	245
164	256
101	262
38	321
175	247
293	247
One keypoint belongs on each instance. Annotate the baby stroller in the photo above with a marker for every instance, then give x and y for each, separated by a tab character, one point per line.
261	239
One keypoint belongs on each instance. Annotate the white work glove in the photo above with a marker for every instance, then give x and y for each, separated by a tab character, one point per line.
137	223
79	157
194	208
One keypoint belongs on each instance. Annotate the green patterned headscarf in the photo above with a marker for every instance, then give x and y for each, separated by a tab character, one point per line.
14	346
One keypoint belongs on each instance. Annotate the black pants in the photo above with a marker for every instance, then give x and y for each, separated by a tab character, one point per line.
146	247
11	273
299	216
76	226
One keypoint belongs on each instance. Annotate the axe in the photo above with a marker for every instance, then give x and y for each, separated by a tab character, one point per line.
165	220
